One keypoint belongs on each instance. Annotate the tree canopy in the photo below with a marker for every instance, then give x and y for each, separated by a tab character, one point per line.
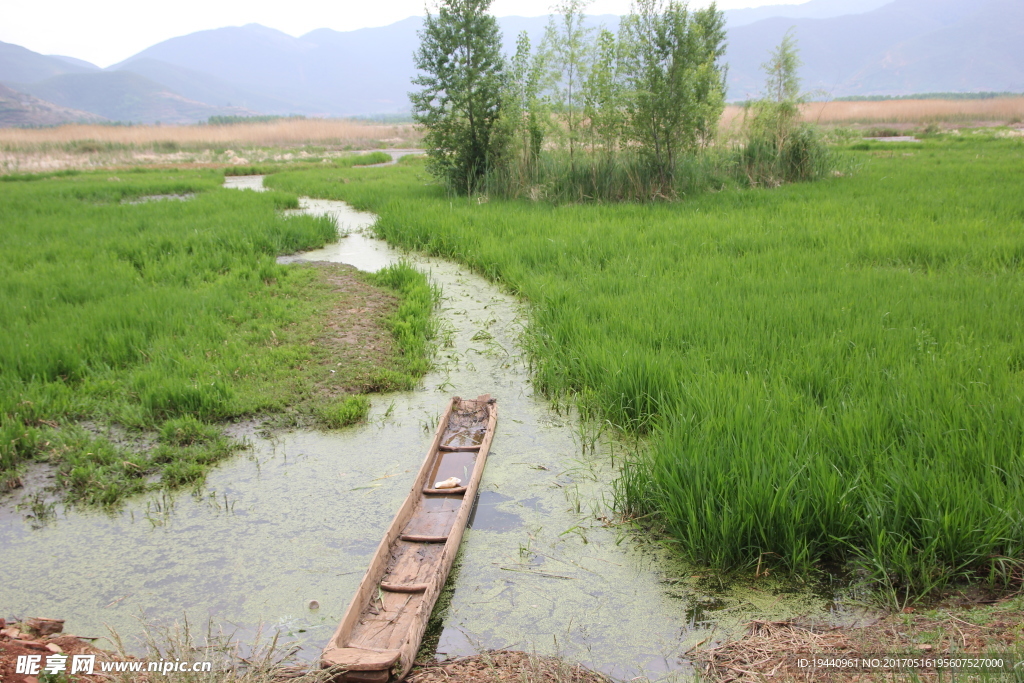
462	86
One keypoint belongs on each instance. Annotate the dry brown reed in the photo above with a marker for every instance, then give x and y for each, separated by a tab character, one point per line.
363	135
998	110
282	133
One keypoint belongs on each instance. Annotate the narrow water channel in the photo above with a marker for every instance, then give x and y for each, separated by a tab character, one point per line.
544	567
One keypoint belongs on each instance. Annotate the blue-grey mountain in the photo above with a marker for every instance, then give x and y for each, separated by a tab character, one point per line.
849	47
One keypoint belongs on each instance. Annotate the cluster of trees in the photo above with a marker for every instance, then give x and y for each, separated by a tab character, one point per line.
618	114
656	88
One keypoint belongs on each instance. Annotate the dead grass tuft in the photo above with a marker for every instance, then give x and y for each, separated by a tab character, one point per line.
772	650
283	133
504	666
999	110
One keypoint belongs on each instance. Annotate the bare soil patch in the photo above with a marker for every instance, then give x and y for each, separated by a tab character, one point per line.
357	341
15	643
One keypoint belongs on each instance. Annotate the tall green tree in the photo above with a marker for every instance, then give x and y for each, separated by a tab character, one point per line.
779	146
603	96
783	82
460	102
675	79
709	77
522	105
776	115
569	52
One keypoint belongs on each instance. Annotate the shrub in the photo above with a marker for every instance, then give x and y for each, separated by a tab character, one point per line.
779	148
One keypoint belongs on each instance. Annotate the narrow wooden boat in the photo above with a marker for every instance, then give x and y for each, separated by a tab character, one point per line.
384	624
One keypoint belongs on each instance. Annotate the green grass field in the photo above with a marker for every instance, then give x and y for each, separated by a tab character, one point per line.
164	318
824	373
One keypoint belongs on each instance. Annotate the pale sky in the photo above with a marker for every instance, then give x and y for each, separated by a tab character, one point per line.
105	32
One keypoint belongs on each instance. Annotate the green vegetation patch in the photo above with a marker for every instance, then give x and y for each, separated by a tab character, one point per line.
343	413
348	161
162	318
827	372
264	118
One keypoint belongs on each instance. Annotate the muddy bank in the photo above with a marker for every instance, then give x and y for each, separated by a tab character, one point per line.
42	641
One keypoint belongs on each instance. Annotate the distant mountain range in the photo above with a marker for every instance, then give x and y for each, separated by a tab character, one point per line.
849	47
19	110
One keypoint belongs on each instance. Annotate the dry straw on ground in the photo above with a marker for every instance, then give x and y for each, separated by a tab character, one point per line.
504	667
995	110
281	133
773	650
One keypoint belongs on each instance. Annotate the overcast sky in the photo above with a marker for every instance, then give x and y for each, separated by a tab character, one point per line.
105	32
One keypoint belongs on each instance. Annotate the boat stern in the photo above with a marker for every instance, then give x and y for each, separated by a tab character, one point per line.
358	665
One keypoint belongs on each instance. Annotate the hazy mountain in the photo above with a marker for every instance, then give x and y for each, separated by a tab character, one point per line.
250	54
20	65
323	72
815	9
203	87
123	96
89	66
849	47
904	47
986	47
19	109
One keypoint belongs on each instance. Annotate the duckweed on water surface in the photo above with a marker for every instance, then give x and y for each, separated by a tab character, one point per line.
828	372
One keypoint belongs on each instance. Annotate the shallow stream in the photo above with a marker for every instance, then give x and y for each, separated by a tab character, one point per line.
544	567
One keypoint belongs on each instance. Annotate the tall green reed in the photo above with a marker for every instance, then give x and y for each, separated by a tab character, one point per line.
828	372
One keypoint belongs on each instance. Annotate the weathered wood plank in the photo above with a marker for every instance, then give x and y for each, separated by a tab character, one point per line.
393	602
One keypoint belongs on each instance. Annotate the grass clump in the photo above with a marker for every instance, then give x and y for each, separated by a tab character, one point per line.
266	659
362	159
187	448
348	161
343	413
186	431
824	373
412	324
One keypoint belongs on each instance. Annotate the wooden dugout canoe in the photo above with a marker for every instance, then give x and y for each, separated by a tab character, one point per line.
382	628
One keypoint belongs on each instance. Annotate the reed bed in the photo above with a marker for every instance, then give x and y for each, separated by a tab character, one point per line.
359	134
827	373
997	109
282	133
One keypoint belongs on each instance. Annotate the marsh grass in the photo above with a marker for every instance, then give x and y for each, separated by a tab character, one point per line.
825	372
269	660
412	325
164	318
